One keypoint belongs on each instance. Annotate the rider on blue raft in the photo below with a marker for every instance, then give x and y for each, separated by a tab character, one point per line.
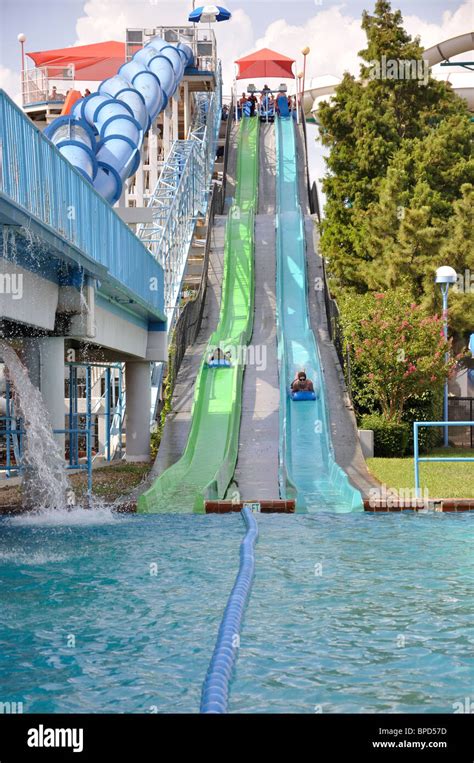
219	358
302	388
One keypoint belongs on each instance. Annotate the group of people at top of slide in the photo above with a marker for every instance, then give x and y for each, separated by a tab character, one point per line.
265	102
55	96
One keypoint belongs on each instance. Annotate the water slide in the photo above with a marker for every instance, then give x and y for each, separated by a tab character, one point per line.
308	471
206	467
103	135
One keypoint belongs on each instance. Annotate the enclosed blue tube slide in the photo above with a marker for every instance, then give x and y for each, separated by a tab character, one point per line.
103	136
308	470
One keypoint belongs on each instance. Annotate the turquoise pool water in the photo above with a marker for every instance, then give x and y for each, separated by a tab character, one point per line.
142	641
385	625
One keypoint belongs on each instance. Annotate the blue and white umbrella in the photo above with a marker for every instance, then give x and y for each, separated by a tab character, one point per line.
209	13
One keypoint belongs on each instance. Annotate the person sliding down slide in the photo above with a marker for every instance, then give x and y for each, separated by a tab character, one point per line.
302	388
219	358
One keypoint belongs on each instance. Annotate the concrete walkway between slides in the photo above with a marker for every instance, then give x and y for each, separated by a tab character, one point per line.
256	473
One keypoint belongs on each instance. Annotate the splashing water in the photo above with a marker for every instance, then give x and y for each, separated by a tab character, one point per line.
45	482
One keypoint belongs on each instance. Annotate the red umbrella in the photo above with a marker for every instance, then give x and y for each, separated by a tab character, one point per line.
91	62
265	63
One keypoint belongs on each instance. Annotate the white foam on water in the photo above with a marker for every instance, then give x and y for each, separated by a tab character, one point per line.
31	558
76	517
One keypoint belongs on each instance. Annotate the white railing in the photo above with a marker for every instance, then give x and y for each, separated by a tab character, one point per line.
47	84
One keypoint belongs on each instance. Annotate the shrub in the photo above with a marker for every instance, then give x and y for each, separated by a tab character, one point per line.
397	352
390	437
425	407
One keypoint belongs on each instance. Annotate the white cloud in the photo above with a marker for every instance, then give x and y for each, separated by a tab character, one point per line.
234	39
10	82
334	36
453	24
108	19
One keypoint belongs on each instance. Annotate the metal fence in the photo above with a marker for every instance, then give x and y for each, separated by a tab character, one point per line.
461	409
47	84
229	123
201	40
311	188
181	195
95	392
331	306
189	322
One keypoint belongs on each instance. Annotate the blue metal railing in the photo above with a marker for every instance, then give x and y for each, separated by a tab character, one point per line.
181	195
416	449
11	428
35	177
81	423
215	691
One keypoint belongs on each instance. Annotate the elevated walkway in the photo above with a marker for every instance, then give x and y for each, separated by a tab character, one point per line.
62	237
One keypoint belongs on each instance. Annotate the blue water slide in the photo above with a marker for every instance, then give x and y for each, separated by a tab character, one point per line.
308	471
76	141
104	134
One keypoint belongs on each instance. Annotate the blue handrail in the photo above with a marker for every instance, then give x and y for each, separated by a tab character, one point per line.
416	448
215	690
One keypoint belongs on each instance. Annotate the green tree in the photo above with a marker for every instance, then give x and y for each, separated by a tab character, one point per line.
457	250
395	144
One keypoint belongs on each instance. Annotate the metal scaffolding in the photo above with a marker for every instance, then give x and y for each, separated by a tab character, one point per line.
181	196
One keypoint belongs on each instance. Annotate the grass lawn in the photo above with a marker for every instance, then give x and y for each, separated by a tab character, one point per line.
442	480
108	482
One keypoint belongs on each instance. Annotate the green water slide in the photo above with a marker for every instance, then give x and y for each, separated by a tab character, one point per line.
207	465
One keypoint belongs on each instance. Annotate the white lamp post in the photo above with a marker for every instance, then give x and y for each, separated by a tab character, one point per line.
305	52
446	276
22	39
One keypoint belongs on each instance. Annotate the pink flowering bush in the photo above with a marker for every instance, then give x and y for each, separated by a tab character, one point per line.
397	351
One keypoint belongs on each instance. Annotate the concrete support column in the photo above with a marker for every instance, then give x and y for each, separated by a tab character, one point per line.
138	390
52	382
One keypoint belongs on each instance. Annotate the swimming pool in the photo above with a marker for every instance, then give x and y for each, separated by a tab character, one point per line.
383	625
142	640
348	613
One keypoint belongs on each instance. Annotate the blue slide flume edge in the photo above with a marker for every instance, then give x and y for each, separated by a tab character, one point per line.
308	471
215	690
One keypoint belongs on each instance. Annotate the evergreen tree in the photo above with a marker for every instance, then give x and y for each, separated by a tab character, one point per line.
399	152
457	250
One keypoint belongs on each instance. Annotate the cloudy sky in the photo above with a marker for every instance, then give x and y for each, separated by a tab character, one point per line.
330	27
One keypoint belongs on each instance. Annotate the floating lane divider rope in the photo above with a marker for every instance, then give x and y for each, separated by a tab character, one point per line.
215	690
